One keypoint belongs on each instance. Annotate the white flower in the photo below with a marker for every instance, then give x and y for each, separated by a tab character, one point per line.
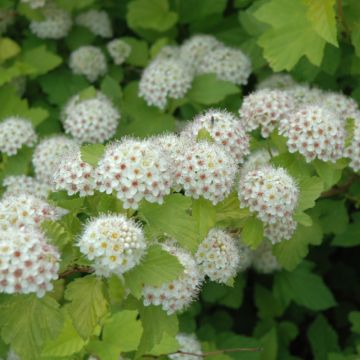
207	170
56	24
314	132
264	261
164	78
75	175
115	244
226	130
303	94
48	154
218	256
256	160
15	132
92	120
228	64
135	170
279	81
245	255
27	263
282	229
22	184
270	193
175	295
34	4
265	108
98	22
353	150
89	61
27	211
188	344
119	50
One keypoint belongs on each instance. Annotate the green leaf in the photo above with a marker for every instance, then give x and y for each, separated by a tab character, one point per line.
253	232
87	94
304	288
269	343
327	173
322	16
290	253
230	209
351	236
190	11
310	190
17	164
267	305
57	233
204	213
92	153
111	88
156	268
122	333
86	311
204	135
207	89
41	60
354	318
323	338
68	342
139	55
8	49
154	15
172	219
28	322
289	37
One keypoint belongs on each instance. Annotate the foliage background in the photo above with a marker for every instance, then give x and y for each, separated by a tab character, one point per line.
309	309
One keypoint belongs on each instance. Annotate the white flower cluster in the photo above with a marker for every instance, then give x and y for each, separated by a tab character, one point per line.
98	22
256	160
119	50
92	120
34	4
207	170
115	244
27	211
304	95
353	150
264	261
89	61
228	64
49	153
265	108
278	81
164	78
175	295
15	132
314	132
188	344
226	130
22	184
272	195
55	25
27	263
135	170
283	229
245	255
218	256
7	17
75	175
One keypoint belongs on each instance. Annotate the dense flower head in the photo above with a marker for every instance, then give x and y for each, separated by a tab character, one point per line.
257	159
75	175
304	95
282	229
226	130
189	343
194	49
27	263
55	25
314	132
15	132
34	4
270	193
48	154
91	120
119	50
165	78
98	22
177	294
135	170
353	150
169	52
218	256
89	61
22	184
279	81
115	244
264	261
265	108
228	64
7	17
207	170
343	105
27	211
